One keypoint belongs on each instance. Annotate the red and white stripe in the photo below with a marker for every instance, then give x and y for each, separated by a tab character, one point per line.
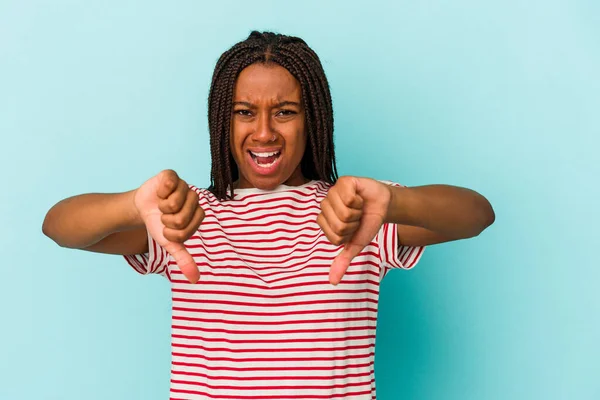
264	322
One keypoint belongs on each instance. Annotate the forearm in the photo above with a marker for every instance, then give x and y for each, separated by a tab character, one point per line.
454	212
81	221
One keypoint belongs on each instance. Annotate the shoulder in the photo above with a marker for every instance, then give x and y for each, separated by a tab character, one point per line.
321	186
205	196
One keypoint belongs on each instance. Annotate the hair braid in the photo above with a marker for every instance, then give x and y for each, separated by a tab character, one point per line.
322	106
312	160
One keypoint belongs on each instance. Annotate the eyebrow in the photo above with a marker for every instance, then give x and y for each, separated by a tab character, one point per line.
281	104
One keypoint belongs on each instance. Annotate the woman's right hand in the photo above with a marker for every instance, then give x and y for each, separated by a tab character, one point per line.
171	213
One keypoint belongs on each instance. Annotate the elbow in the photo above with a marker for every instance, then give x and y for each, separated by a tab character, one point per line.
491	217
47	226
49	229
487	217
481	216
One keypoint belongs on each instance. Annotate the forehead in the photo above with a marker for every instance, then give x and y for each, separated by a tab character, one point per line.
260	82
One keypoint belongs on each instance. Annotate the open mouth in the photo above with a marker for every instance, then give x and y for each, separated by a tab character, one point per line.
265	159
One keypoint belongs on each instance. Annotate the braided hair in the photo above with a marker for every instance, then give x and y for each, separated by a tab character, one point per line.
293	54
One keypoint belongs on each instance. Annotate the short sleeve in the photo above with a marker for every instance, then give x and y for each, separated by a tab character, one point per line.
393	254
156	261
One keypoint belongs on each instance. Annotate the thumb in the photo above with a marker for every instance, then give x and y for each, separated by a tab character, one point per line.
184	261
342	262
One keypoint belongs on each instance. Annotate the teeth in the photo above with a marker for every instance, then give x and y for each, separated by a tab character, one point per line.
264	154
265	165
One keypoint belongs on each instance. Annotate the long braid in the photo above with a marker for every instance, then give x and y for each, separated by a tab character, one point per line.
313	160
321	100
302	62
322	147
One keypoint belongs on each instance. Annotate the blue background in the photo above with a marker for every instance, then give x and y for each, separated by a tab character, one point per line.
499	96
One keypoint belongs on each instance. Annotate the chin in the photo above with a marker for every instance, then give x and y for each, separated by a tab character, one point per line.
264	183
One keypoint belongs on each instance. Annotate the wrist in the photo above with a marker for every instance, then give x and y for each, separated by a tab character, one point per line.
398	206
133	218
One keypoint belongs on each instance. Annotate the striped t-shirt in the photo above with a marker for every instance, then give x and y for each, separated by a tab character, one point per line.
263	322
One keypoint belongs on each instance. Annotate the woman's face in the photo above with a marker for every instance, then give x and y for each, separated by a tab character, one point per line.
267	127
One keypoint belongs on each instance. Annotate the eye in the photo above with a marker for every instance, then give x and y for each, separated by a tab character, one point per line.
243	112
285	113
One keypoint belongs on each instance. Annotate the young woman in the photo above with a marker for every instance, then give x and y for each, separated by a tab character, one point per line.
275	268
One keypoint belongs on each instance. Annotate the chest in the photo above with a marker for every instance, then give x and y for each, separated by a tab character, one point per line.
274	250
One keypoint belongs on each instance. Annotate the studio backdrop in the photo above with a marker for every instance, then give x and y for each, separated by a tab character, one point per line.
498	96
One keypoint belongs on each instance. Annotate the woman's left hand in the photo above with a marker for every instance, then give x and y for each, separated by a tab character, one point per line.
352	214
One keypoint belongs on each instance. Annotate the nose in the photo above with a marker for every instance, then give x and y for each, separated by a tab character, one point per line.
263	132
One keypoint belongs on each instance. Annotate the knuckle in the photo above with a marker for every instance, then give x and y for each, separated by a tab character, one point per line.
183	189
320	220
170	173
170	183
173	204
347	198
337	240
180	236
344	180
344	214
338	227
193	201
168	234
191	231
179	221
164	219
345	231
170	179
